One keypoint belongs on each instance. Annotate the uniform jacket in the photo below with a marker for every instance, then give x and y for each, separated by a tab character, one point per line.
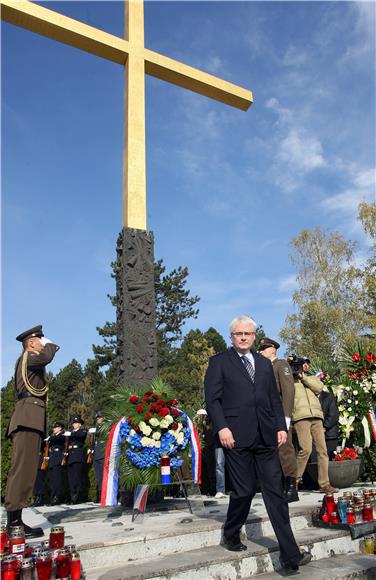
285	384
31	411
99	446
56	442
307	404
76	447
234	401
331	415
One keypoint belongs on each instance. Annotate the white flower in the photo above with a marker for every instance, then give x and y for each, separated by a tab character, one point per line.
154	422
146	442
169	419
132	432
157	444
156	435
145	429
164	424
180	438
355	392
142	424
349	409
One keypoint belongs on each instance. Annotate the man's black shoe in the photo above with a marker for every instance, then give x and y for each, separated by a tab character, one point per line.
33	532
292	495
292	566
234	547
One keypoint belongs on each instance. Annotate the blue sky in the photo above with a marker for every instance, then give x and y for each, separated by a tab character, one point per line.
227	189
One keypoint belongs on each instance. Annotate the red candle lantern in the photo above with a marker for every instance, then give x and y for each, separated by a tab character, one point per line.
367	513
57	537
4	539
9	568
17	540
350	515
43	566
63	563
75	570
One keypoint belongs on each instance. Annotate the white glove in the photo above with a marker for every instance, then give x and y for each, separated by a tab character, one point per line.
288	422
67	434
45	340
92	430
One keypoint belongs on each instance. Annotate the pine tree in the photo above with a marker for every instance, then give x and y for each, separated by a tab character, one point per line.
62	390
7	406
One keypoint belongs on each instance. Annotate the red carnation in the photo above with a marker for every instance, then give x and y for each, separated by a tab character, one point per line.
148	416
371	358
136	428
140	408
130	420
174	402
149	393
174	426
146	399
152	407
355	357
155	396
163	412
175	412
134	399
160	402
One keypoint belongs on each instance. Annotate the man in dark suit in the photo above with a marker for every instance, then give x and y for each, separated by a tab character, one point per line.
246	412
27	424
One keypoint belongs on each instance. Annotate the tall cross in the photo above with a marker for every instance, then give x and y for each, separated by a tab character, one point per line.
137	60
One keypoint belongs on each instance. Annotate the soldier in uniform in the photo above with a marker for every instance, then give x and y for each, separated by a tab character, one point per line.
55	468
27	424
76	459
99	452
285	383
40	480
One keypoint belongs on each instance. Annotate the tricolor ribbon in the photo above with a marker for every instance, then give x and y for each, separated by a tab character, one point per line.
110	481
372	420
195	448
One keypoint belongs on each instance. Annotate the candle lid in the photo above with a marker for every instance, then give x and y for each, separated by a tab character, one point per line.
17	531
9	558
63	552
75	556
70	547
27	563
57	530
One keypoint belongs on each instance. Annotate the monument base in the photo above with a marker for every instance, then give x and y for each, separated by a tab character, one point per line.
135	307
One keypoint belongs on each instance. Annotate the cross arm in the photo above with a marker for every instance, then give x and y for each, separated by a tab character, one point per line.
64	29
180	74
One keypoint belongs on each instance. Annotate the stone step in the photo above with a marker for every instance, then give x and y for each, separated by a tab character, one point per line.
344	567
179	533
214	562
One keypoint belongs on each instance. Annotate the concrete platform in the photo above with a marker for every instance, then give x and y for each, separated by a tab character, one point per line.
171	543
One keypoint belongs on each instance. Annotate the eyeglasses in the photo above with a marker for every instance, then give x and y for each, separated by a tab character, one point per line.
240	334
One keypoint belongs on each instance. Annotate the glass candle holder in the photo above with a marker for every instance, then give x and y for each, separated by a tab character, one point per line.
358	515
27	569
57	537
367	513
17	540
9	568
342	509
350	515
4	538
330	503
75	569
63	563
43	566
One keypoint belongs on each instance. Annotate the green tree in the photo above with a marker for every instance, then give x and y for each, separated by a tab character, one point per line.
7	406
327	312
187	368
367	216
63	389
215	340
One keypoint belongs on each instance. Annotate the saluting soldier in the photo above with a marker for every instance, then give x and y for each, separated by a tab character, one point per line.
99	452
27	424
76	459
55	468
285	383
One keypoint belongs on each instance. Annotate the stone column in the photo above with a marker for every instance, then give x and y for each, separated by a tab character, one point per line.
135	312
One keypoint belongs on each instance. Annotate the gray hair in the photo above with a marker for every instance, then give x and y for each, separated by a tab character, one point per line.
243	318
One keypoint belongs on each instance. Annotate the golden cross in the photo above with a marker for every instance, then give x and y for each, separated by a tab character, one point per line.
137	60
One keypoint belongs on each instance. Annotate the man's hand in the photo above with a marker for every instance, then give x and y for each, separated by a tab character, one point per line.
226	438
282	438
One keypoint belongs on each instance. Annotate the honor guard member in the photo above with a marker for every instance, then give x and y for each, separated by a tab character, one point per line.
27	424
285	383
55	468
40	480
76	459
99	452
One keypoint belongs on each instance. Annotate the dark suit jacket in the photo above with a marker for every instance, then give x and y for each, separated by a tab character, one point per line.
76	447
57	442
234	401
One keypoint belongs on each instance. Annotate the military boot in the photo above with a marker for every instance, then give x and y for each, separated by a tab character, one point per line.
291	489
14	518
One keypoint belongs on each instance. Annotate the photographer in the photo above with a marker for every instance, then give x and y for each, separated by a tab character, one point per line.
307	419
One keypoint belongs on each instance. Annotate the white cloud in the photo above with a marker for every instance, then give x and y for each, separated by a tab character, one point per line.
287	283
294	57
347	201
302	152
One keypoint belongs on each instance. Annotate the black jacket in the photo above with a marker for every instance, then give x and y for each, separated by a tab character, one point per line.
76	447
56	443
234	401
331	415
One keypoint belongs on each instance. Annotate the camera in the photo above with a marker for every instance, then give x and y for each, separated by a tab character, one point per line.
296	363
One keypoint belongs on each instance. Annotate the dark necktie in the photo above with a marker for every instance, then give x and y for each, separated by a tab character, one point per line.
249	366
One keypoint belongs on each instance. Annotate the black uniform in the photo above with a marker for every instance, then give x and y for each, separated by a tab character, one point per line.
55	469
76	462
40	480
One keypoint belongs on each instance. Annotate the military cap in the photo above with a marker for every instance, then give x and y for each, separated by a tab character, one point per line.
36	331
306	359
58	424
99	414
266	342
77	420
